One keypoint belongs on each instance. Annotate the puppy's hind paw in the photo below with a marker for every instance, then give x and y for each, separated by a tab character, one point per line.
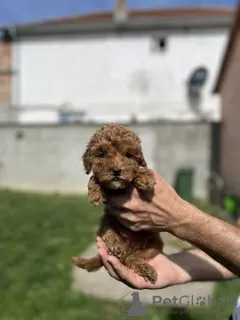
151	276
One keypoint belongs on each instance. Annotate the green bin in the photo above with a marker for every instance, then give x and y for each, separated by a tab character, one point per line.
184	183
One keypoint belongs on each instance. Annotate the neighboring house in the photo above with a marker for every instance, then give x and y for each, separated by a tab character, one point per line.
5	80
111	70
5	71
228	87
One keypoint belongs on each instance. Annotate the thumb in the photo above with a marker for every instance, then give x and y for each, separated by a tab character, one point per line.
119	268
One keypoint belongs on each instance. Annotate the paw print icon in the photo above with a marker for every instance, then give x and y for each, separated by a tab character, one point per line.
201	301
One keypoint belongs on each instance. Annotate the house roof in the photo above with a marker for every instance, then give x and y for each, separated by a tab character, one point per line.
176	12
229	50
34	10
202	17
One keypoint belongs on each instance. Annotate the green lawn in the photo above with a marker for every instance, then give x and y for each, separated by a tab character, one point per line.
38	235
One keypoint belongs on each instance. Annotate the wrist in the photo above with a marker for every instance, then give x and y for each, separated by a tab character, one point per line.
190	222
178	262
182	218
196	265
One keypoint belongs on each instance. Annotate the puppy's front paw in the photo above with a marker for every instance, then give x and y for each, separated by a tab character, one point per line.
145	179
95	198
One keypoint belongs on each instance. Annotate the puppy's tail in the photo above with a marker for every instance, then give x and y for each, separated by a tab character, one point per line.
92	264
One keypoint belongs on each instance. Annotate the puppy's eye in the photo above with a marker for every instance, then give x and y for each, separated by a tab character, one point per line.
101	155
129	155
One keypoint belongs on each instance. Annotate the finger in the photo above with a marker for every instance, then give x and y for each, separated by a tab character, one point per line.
124	214
126	275
122	199
131	221
117	201
128	224
118	211
101	244
102	251
104	257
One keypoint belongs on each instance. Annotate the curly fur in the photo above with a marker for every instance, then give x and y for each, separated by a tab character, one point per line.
114	156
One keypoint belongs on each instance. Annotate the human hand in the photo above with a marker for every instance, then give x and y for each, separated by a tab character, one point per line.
169	273
162	213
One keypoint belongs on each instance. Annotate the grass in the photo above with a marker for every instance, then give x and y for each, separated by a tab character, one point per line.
38	235
213	210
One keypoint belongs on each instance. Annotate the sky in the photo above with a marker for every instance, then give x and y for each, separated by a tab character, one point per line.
23	11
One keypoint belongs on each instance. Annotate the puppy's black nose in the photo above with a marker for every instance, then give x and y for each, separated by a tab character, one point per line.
116	171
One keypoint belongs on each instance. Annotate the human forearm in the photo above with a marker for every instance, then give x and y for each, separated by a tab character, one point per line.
215	237
195	265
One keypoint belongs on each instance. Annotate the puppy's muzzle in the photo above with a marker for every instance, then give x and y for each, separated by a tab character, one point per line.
116	171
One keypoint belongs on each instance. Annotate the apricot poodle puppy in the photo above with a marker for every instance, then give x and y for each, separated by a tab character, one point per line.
114	156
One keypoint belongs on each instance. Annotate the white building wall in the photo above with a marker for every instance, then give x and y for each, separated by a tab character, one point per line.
112	77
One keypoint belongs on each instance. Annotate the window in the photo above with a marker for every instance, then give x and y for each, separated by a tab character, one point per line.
159	44
198	77
162	43
197	80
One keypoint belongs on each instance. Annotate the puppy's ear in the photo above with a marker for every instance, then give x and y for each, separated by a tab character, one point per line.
142	161
95	195
87	161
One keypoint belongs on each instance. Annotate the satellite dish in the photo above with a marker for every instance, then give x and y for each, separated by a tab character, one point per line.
197	80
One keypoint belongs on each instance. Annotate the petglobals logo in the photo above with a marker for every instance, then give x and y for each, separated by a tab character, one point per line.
192	300
137	309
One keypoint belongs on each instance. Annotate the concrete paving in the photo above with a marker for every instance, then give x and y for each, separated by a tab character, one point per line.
100	284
